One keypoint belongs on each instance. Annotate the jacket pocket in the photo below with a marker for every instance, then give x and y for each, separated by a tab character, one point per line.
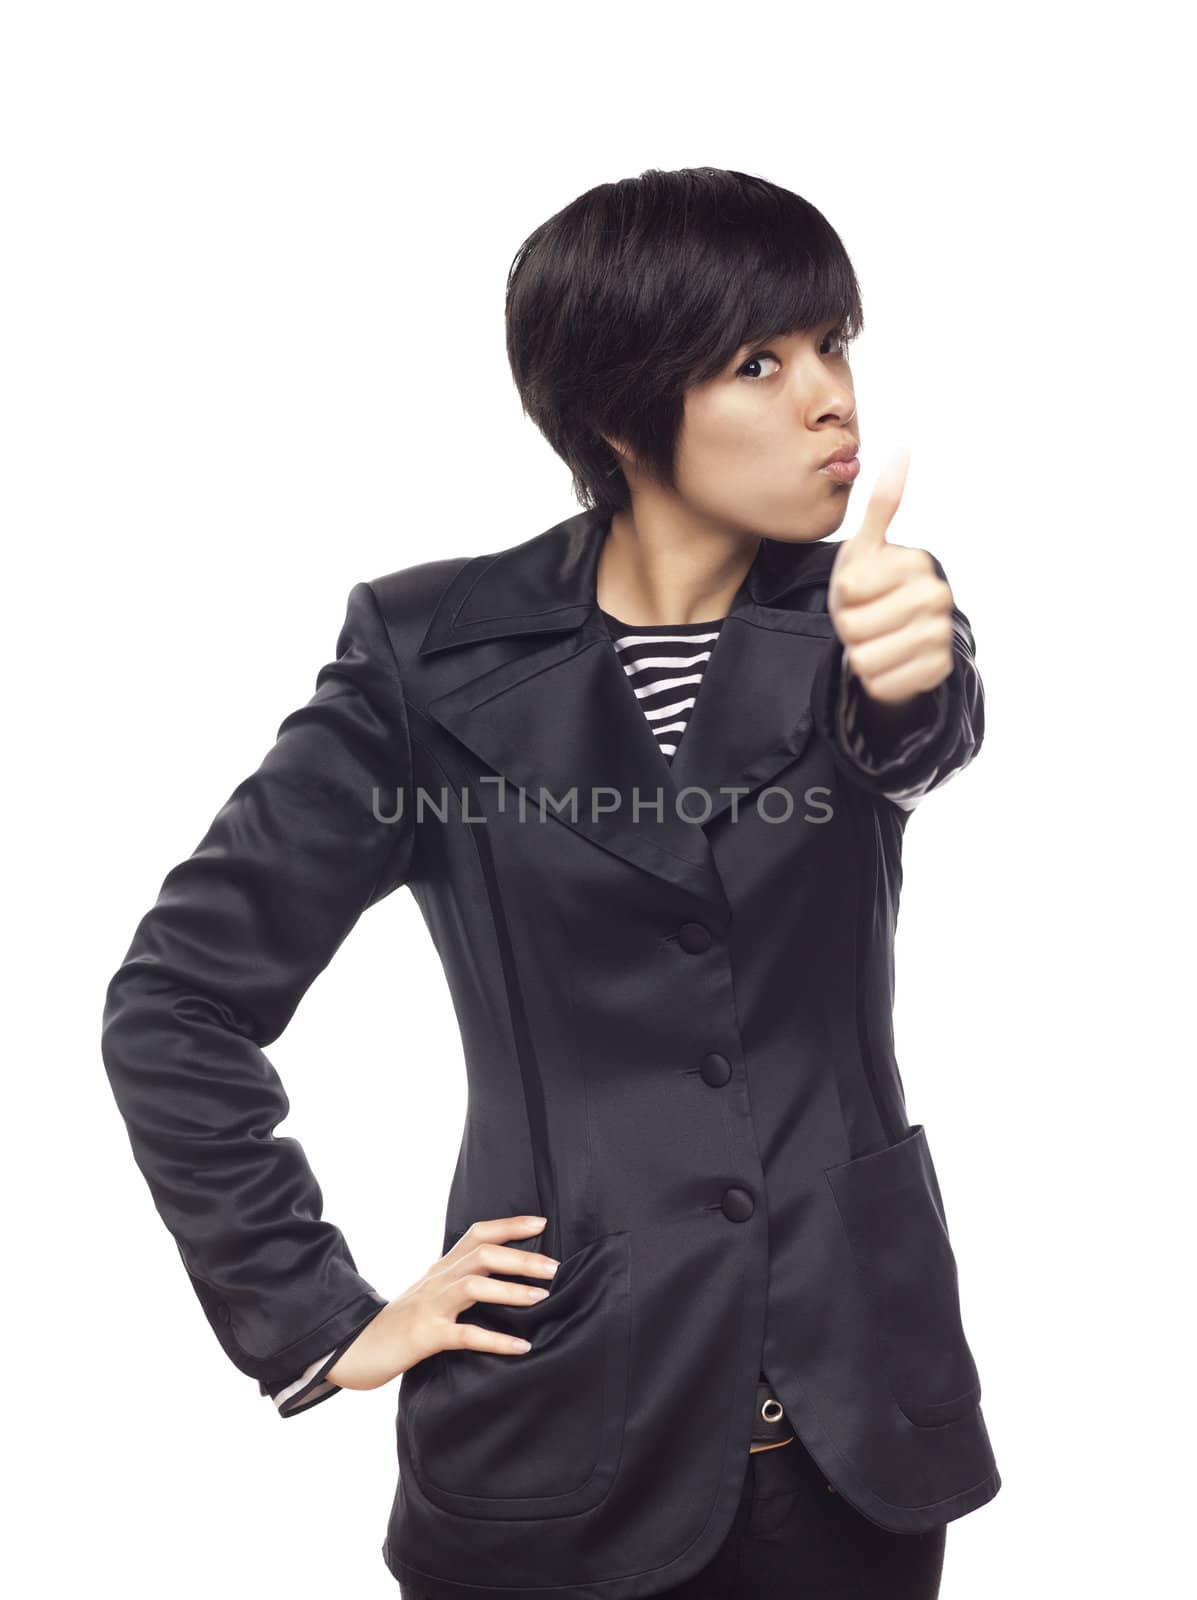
892	1212
538	1434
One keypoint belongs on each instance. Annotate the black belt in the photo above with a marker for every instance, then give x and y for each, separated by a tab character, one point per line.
770	1425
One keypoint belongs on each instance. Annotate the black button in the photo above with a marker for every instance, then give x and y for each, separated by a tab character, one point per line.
716	1069
738	1205
694	938
222	1312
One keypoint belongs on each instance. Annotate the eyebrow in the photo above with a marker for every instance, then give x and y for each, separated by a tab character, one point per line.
830	323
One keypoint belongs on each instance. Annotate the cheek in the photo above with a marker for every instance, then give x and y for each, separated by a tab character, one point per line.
744	462
730	435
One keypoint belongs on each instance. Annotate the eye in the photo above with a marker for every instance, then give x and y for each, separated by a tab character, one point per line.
761	355
836	339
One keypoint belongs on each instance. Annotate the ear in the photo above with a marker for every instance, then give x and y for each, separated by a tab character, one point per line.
623	460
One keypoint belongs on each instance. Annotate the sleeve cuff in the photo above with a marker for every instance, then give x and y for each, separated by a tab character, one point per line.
308	1388
879	752
311	1386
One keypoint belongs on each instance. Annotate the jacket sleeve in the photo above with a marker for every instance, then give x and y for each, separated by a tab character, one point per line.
319	832
938	736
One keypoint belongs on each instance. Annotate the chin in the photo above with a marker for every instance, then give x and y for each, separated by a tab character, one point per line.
811	526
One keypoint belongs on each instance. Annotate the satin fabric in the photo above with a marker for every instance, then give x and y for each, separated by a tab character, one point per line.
675	1000
794	1538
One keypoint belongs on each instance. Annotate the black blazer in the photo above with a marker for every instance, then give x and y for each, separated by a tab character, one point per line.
678	1036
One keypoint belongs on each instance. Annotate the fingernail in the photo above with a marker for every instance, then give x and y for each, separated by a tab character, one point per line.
537	1294
520	1344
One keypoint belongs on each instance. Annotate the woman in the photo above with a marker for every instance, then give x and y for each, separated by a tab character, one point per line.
695	1329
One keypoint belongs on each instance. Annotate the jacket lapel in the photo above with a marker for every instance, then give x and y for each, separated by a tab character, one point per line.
753	713
558	718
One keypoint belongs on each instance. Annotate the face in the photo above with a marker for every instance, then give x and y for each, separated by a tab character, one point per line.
754	438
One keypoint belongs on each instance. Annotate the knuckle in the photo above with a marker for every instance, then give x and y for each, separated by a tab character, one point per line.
858	659
930	592
854	631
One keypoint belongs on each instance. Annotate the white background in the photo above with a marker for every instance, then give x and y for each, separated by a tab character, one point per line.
253	352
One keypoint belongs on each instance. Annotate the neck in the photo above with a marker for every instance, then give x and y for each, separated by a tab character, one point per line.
653	573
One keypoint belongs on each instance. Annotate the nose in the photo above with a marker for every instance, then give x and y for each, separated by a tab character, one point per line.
832	404
838	413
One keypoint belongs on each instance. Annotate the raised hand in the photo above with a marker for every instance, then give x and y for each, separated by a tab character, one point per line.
887	604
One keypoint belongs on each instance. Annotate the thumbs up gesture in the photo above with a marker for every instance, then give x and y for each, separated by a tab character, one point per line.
888	606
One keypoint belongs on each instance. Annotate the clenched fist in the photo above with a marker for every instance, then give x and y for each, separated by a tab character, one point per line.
888	606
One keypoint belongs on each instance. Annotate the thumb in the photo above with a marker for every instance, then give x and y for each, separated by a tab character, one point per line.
883	503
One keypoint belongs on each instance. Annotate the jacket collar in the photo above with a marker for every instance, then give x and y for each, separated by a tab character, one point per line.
553	711
548	584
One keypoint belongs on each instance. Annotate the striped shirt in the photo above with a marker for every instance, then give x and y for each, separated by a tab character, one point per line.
664	664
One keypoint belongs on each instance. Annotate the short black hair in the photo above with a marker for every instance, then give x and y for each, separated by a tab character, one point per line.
640	288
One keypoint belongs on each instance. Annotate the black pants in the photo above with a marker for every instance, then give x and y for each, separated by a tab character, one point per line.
793	1537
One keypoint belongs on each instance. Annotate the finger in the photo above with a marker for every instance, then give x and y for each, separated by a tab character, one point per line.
505	1258
920	638
469	1336
889	589
927	671
883	503
472	1287
495	1230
